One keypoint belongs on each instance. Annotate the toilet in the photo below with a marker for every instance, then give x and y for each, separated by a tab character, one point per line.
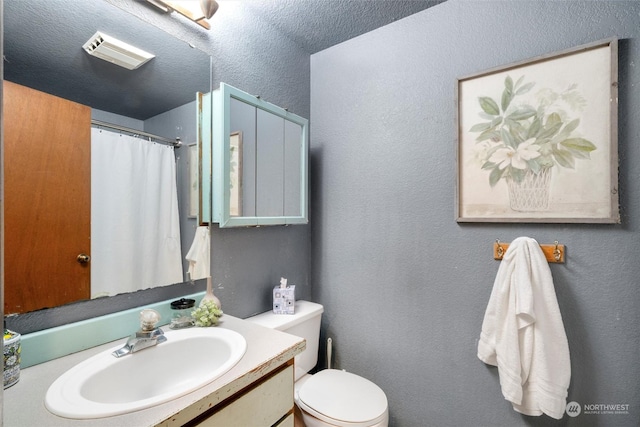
331	397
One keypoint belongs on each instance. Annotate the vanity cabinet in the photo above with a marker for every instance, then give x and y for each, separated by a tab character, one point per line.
257	391
268	402
258	172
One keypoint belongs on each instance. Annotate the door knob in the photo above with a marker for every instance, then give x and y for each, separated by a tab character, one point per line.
83	258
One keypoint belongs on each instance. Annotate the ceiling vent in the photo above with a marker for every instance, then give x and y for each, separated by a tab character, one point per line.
117	52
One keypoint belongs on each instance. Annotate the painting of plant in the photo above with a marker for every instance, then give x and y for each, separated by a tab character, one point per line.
521	143
537	141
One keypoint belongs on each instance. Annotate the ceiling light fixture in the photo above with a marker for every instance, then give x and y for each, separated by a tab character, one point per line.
196	10
208	7
115	51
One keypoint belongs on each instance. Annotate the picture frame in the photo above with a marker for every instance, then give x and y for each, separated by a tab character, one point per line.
235	179
194	196
537	140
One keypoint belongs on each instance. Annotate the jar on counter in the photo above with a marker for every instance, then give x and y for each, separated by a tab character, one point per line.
181	313
12	349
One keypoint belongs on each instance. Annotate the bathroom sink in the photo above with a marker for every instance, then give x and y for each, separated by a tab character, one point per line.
104	385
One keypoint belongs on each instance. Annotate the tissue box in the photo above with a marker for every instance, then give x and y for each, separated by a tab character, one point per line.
284	300
12	350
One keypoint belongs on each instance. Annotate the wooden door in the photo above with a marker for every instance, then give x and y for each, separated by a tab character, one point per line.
47	148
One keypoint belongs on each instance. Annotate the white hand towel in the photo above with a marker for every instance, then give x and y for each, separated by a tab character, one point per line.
199	255
523	334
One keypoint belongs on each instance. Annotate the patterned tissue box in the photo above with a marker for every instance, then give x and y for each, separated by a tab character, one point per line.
284	299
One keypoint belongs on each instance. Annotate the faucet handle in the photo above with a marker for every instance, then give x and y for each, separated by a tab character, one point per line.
148	319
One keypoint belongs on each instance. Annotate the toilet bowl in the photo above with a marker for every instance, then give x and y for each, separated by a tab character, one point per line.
331	397
338	398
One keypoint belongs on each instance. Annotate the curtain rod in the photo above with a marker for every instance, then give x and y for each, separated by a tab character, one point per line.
176	143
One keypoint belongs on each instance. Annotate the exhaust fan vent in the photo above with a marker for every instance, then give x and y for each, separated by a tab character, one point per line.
113	50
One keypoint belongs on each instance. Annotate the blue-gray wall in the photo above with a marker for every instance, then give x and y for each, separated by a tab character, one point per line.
404	286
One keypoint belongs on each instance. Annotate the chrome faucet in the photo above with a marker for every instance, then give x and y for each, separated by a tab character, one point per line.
147	336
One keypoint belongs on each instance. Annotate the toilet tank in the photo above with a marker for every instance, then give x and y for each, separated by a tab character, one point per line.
305	323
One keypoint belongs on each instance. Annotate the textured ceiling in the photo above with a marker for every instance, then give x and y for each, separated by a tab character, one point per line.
43	39
318	24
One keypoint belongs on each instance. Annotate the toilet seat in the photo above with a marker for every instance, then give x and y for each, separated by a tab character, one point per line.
343	399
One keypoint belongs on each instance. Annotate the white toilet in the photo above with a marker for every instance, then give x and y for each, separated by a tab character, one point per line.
330	397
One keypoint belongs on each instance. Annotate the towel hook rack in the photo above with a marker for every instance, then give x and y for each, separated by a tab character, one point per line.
553	252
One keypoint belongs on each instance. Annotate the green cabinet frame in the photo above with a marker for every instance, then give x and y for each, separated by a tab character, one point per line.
264	161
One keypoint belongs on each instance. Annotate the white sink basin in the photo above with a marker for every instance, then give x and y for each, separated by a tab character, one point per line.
104	385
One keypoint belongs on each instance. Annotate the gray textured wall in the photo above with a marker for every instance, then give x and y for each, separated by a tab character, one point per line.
404	286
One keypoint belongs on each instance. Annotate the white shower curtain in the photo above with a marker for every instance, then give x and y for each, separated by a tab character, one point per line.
135	230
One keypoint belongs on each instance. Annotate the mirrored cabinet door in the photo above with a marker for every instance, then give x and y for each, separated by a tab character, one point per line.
293	179
204	114
269	164
242	155
260	162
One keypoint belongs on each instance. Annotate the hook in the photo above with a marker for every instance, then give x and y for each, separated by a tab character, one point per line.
557	255
500	249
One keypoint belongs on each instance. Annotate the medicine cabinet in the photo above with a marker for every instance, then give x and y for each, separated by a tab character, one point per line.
259	161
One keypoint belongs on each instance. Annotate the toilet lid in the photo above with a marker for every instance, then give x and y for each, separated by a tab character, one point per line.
342	396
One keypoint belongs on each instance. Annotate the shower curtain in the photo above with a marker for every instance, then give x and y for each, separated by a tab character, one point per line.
135	230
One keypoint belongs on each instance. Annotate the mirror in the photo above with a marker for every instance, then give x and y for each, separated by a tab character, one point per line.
260	161
43	50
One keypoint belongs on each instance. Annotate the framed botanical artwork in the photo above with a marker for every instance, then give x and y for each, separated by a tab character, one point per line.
235	181
537	140
193	180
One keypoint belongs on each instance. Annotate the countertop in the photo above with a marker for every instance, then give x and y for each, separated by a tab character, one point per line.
267	349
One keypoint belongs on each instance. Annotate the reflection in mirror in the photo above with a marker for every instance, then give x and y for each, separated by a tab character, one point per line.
158	97
235	169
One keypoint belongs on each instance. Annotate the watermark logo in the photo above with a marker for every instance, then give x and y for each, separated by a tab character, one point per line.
573	409
606	408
